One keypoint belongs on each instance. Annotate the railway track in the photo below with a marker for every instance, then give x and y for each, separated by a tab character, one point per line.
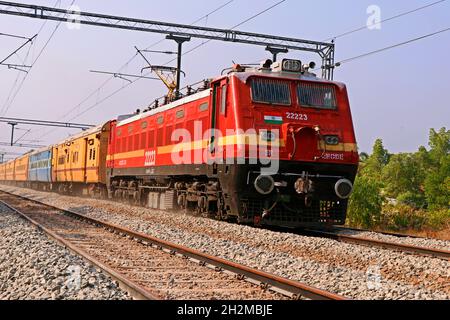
336	234
151	268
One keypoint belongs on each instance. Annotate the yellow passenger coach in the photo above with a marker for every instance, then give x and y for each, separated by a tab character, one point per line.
79	161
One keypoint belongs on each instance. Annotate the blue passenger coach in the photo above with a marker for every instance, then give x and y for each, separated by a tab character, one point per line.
40	169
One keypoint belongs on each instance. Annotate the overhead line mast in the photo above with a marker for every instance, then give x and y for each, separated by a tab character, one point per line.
323	49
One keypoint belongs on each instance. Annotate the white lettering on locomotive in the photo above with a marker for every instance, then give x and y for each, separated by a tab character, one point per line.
150	158
333	156
296	116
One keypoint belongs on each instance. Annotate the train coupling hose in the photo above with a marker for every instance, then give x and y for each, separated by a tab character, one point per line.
267	212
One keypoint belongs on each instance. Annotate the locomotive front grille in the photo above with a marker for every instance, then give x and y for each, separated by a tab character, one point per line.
320	212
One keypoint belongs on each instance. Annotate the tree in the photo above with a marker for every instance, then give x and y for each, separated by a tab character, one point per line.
437	183
437	186
439	144
377	160
403	179
365	203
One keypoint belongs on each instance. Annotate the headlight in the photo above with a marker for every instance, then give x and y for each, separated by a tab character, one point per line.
332	140
343	188
291	65
264	184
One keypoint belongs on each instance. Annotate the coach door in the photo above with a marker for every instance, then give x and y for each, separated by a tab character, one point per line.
218	117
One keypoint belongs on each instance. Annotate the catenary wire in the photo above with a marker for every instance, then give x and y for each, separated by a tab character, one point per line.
198	46
96	91
386	20
392	46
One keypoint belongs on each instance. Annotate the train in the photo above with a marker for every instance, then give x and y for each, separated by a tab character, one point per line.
272	145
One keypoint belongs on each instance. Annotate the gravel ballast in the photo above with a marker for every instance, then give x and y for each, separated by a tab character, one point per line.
34	267
354	271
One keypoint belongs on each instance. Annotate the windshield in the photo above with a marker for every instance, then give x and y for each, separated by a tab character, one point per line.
271	91
314	95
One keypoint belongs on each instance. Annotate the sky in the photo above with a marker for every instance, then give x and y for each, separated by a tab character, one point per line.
397	95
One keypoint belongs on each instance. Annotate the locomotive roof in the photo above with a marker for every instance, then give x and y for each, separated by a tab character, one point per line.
143	115
244	76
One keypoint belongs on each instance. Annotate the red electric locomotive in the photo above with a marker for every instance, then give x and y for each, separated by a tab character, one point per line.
272	145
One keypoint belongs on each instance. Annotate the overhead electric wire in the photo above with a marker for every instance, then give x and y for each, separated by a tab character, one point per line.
258	14
11	101
392	46
13	36
5	105
198	46
96	91
386	20
232	28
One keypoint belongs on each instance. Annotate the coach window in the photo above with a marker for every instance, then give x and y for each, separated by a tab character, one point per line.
90	154
160	120
144	125
93	154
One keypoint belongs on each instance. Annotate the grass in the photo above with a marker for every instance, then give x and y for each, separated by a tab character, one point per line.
404	219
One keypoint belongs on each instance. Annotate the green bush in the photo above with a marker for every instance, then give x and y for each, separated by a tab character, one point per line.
437	186
402	217
439	219
365	203
413	199
417	185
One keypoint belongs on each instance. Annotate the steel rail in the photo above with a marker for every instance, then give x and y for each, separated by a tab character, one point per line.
387	233
424	251
132	288
266	280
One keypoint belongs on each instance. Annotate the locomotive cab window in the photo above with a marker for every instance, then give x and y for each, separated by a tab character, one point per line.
271	91
223	100
320	96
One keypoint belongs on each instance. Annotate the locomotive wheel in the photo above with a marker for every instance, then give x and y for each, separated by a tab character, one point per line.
190	208
137	197
182	201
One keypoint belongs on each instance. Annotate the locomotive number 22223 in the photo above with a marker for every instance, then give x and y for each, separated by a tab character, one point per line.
296	116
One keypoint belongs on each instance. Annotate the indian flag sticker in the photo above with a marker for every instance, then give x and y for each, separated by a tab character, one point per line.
273	119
